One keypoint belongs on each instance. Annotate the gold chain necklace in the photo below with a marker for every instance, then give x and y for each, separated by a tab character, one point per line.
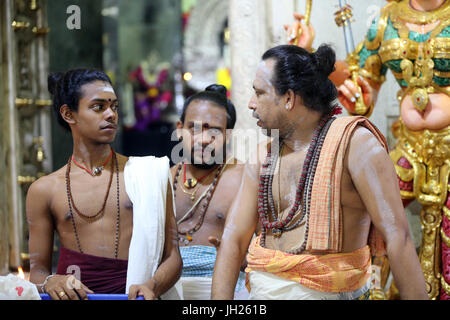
192	195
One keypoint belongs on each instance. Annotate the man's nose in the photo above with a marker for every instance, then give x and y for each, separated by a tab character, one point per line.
207	137
252	103
110	114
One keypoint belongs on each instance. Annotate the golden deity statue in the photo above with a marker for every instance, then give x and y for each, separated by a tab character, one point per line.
411	38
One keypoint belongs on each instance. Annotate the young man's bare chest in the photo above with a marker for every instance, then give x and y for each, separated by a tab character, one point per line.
106	203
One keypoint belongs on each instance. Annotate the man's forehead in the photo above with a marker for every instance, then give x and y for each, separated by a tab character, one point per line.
98	88
206	112
264	74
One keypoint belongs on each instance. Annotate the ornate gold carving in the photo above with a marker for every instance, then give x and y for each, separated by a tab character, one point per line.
445	286
343	15
20	25
23	102
420	74
428	152
26	179
371	69
43	103
353	68
33	5
403	10
381	27
446	212
397	49
39	31
307	19
430	248
445	238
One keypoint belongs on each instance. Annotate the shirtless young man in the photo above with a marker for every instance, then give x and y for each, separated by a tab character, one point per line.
205	184
87	203
319	221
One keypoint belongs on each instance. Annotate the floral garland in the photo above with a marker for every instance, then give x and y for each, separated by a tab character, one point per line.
150	97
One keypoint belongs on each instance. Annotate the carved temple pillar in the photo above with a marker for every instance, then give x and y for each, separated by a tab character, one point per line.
248	41
24	118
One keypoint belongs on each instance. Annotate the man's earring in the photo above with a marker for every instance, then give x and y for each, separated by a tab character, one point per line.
287	107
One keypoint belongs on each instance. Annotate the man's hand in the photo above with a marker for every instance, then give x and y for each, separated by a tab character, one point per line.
66	287
349	92
214	241
307	36
145	290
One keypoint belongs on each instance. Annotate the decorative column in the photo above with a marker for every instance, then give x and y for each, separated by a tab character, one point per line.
24	119
248	41
4	234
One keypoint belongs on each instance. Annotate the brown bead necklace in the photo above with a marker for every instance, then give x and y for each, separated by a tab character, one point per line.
186	236
100	213
265	195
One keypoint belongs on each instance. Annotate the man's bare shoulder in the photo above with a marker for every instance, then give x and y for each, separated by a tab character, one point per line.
234	165
46	185
363	140
364	151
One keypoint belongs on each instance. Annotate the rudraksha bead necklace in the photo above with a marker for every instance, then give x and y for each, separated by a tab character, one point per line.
98	215
265	196
209	193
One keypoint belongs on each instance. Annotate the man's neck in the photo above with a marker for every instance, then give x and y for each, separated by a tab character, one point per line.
300	137
426	5
195	172
90	155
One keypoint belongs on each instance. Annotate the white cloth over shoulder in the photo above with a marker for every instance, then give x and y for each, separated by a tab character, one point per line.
146	180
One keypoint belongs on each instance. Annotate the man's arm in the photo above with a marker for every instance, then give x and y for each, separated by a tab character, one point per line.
169	270
374	177
239	227
41	231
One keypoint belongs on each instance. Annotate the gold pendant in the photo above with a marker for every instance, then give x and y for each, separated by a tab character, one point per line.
420	99
190	183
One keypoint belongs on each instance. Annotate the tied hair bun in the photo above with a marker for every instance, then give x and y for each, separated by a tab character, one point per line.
325	59
52	82
217	88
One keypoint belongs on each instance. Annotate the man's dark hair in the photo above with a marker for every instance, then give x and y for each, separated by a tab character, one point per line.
306	74
217	94
65	88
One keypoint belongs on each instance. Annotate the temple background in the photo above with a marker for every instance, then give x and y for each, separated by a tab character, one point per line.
178	48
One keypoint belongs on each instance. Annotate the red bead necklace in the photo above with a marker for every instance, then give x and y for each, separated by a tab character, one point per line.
192	182
97	170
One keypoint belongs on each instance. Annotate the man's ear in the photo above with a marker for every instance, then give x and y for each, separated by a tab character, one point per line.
289	100
67	114
180	130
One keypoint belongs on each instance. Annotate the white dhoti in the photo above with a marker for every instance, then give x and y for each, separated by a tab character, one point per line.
267	286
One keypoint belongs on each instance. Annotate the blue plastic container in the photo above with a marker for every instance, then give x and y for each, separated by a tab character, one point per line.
100	296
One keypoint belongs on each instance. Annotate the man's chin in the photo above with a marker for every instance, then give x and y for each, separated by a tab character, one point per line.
204	166
202	163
